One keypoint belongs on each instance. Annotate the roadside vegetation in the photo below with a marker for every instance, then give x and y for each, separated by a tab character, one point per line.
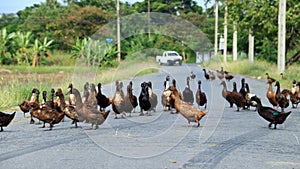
17	81
257	69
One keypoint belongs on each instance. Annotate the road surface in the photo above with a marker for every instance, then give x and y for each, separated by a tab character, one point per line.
225	138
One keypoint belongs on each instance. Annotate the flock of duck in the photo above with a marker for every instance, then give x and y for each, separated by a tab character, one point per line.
90	105
279	99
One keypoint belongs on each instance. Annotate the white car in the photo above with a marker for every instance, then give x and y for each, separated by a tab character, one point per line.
169	58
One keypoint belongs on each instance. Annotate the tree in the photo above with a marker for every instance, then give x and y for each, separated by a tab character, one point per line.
77	23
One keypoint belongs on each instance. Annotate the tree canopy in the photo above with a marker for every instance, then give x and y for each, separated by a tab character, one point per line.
64	25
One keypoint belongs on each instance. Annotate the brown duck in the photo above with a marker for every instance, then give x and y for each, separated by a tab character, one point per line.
25	106
92	100
165	100
118	102
191	113
130	100
152	97
270	79
220	74
238	98
228	77
87	113
46	114
72	99
68	110
271	95
211	75
227	94
281	98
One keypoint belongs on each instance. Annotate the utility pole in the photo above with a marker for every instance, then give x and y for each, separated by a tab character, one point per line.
216	28
182	47
281	36
251	46
234	45
225	34
149	19
118	31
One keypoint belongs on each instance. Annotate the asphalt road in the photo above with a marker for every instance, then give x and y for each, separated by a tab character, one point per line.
225	138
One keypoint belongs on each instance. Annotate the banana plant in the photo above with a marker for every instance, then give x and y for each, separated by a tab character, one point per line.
23	42
36	50
78	48
41	49
45	48
4	39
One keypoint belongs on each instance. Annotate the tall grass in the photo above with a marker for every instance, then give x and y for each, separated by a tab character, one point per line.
16	82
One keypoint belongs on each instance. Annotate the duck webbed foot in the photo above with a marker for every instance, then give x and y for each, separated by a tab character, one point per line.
270	125
31	121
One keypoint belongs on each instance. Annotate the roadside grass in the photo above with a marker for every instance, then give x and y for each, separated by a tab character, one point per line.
17	82
257	69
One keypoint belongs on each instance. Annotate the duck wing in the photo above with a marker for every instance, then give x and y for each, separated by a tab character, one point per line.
188	95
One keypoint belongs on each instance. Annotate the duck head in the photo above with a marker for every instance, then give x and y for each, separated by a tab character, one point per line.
86	86
44	95
58	92
70	86
254	99
92	87
234	85
223	83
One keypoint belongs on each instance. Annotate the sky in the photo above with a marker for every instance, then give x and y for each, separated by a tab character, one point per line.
13	6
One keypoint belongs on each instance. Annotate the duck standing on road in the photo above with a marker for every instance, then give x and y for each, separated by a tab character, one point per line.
165	101
270	79
5	119
188	111
102	100
271	115
187	93
130	99
192	75
227	94
201	96
206	75
228	77
144	99
281	98
211	75
118	102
